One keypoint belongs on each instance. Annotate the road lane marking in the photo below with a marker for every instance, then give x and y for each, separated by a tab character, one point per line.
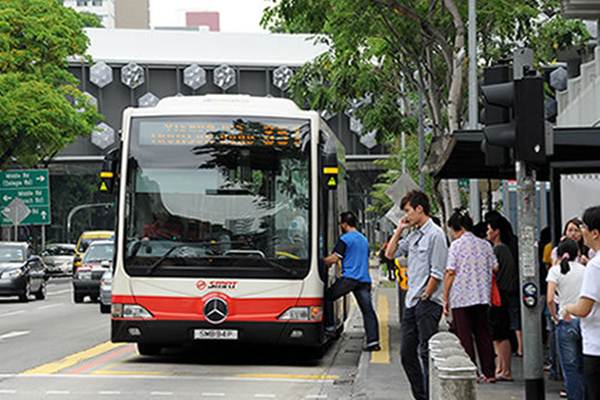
14	334
10	314
57	392
264	396
102	360
58	292
290	376
383	311
73	359
8	391
161	393
149	376
213	394
108	392
50	306
128	373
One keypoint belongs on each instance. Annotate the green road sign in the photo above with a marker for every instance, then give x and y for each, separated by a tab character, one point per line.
31	187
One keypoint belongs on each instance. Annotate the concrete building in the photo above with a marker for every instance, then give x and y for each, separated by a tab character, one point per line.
199	19
160	58
105	9
132	14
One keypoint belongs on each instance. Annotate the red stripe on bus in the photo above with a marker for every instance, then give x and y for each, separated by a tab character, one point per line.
240	310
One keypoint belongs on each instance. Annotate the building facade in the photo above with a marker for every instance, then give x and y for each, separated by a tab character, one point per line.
105	9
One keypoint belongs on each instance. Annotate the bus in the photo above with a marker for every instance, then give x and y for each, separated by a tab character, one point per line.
226	206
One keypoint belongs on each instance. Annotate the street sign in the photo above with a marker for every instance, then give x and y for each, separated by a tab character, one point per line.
31	187
16	211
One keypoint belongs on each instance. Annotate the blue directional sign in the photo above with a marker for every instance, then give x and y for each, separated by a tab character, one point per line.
31	188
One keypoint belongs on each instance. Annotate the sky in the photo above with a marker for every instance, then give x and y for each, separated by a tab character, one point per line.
235	15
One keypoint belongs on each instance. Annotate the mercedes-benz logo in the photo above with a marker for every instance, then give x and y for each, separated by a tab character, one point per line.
215	310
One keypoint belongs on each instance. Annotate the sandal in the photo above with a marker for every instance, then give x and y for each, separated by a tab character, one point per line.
500	378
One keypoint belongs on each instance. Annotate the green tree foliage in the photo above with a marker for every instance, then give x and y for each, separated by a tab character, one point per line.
392	49
41	109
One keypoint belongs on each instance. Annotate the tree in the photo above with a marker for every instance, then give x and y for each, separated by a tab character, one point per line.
41	109
393	49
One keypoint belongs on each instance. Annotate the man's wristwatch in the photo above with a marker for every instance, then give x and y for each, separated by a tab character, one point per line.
425	296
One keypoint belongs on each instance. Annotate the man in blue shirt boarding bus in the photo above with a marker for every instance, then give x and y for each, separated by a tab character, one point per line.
352	249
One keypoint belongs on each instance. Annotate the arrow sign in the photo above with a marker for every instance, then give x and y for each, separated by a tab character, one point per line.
31	186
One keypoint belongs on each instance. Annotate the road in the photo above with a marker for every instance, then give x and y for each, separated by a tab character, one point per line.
55	349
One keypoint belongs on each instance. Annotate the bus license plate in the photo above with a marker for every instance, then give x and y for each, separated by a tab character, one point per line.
215	334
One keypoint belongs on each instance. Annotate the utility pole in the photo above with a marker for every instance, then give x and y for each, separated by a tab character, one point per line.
474	201
522	129
533	362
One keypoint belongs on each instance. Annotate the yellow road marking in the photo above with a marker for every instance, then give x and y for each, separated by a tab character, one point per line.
121	372
73	359
290	376
383	310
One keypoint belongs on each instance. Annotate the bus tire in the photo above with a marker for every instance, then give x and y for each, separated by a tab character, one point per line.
148	349
316	353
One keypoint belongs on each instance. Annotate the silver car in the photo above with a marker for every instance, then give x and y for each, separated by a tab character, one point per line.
106	291
58	258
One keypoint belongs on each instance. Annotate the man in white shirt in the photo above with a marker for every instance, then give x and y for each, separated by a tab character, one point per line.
588	306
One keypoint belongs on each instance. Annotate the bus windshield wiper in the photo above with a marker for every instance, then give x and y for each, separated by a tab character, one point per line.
164	257
242	253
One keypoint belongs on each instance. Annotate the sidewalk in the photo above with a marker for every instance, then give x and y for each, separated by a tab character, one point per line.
381	377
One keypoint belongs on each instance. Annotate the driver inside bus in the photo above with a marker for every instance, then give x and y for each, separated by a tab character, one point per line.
295	245
163	227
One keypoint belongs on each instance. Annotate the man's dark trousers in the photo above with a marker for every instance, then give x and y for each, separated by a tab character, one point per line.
418	325
362	293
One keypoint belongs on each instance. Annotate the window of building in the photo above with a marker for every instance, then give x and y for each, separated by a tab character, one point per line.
82	3
97	3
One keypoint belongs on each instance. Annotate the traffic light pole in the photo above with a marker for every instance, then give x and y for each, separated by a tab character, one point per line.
531	306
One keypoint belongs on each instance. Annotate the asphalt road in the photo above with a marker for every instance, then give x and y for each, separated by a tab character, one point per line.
55	349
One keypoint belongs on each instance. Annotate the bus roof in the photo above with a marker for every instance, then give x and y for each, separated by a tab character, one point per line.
223	104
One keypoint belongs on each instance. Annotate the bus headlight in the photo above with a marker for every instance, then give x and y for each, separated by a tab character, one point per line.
130	311
312	313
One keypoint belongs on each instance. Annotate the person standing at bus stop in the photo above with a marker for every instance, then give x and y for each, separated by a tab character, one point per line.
427	250
352	249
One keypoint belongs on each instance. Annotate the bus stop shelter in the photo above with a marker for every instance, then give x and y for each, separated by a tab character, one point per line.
576	151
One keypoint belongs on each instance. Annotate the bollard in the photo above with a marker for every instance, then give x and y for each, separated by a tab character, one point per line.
457	377
437	357
444	336
438	342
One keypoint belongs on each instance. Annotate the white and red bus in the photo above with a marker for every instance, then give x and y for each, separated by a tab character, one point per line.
226	206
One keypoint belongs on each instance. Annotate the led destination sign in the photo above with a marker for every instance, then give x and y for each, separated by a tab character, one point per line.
222	131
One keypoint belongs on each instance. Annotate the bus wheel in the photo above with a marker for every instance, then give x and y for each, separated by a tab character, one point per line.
315	353
148	349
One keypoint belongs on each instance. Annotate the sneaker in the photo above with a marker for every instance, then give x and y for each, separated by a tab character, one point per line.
331	332
563	394
373	347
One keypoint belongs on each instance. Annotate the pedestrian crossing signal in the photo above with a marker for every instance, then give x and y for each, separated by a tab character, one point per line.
332	182
103	187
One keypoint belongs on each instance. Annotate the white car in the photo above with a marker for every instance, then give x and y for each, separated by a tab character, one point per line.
58	258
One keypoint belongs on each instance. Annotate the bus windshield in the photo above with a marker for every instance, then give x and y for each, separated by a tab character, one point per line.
218	197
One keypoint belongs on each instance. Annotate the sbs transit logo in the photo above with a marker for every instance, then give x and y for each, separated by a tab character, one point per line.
203	285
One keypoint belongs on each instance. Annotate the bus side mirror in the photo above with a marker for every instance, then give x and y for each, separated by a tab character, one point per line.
108	175
330	171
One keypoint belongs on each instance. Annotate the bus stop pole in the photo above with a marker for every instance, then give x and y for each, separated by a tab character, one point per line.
531	306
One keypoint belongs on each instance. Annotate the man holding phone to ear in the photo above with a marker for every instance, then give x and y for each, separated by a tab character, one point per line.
426	249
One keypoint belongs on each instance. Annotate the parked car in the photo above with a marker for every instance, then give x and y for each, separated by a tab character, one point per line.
106	291
96	261
85	239
58	258
21	272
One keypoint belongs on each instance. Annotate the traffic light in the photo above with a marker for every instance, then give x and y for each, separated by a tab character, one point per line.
522	128
495	156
